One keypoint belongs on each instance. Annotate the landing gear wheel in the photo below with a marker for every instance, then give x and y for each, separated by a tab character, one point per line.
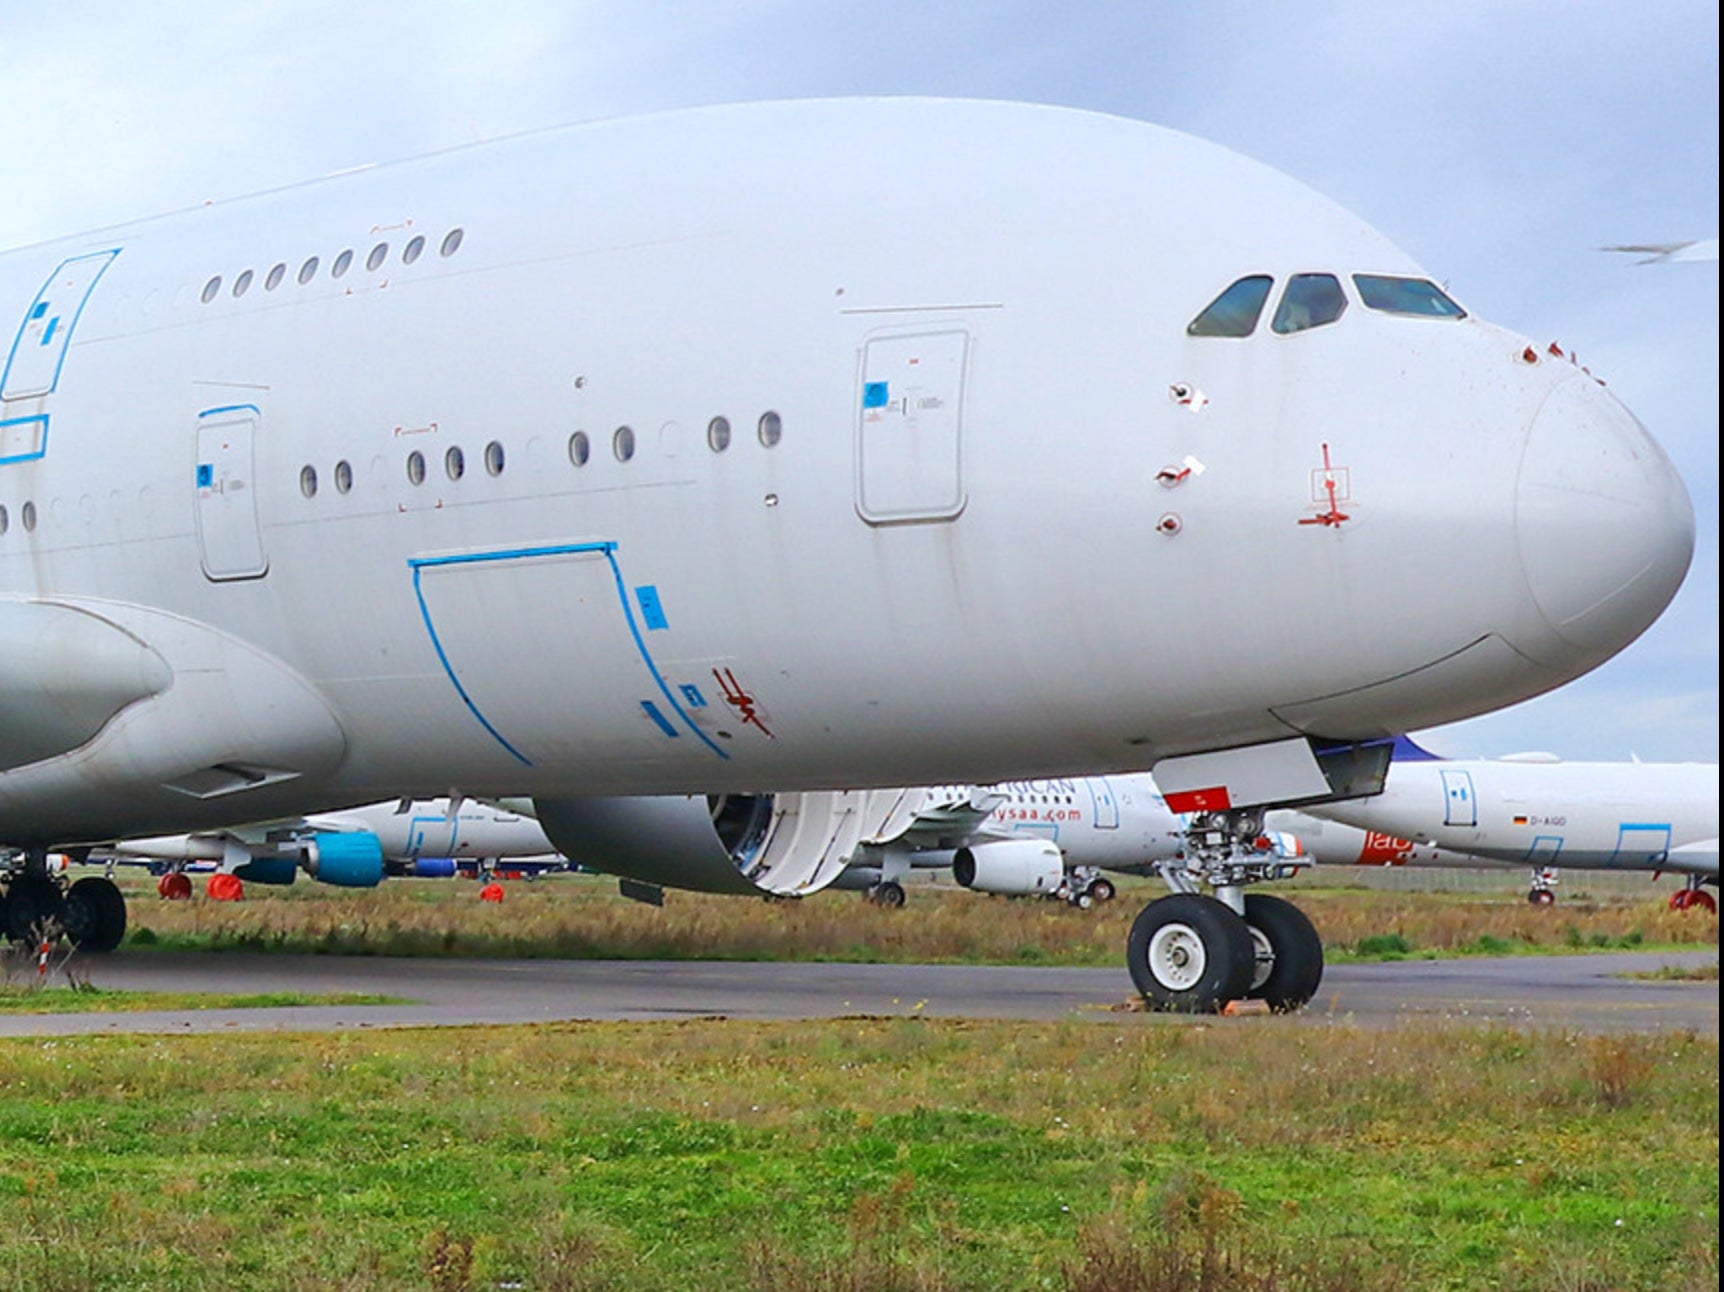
888	893
1289	955
1541	897
1103	891
1190	954
32	899
175	886
95	915
1689	899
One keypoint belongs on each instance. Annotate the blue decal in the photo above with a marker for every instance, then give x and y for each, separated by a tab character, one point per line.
652	609
691	693
61	303
206	475
875	394
663	722
609	551
34	441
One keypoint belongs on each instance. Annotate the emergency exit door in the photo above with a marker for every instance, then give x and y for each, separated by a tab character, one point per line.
909	443
229	539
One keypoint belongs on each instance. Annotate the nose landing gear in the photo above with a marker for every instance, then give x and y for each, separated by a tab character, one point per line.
1193	953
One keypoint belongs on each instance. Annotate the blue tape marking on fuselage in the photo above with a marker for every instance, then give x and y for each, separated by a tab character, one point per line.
230	408
662	721
691	693
652	609
875	394
449	670
609	551
40	310
41	449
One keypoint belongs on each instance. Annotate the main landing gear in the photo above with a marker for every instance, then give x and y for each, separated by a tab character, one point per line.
90	914
1543	890
1692	896
1193	953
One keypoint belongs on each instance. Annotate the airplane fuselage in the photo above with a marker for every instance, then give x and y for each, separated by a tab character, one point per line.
800	445
1598	816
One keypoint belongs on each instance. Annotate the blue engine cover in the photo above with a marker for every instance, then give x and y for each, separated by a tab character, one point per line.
268	870
349	860
436	868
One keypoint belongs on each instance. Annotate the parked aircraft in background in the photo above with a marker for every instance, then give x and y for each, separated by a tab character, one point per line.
716	449
1041	838
436	838
1533	810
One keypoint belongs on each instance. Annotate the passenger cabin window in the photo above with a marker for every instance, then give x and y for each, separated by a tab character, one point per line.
1311	300
1418	297
1235	311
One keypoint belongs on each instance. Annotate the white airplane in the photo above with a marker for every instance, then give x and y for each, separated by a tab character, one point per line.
1037	838
1533	810
434	838
1694	251
715	450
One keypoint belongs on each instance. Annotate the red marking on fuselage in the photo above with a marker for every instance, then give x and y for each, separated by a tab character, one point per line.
739	699
1334	516
1385	850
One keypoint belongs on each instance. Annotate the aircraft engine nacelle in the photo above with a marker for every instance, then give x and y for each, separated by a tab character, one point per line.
432	868
347	859
1015	867
779	845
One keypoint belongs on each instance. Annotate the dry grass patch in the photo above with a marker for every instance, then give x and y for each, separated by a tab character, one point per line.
583	917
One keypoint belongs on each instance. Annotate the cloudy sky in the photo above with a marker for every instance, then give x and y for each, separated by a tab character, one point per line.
1499	142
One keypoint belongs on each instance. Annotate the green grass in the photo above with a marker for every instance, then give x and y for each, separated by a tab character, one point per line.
883	1154
85	999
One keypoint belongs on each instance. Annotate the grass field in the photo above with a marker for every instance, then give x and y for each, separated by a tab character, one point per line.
863	1154
1131	1154
583	917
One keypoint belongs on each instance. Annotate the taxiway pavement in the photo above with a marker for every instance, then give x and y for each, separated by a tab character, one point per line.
1591	993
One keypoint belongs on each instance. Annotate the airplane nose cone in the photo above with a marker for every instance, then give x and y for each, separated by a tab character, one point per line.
1604	523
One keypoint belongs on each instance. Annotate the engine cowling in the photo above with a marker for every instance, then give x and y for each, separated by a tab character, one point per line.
347	859
1014	867
782	845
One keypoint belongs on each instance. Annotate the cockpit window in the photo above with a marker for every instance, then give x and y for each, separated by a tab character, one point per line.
1311	300
1416	296
1235	311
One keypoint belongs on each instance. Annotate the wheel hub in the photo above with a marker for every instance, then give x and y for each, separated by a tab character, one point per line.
1177	957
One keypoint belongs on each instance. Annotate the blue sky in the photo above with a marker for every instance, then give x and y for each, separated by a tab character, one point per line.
1499	143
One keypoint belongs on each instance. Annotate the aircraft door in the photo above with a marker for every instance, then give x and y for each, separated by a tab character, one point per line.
1103	801
1460	807
230	541
909	439
39	350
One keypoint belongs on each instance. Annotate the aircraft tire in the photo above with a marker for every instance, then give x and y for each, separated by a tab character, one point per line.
1103	890
1293	970
1190	954
1688	899
1541	897
888	893
31	899
95	914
